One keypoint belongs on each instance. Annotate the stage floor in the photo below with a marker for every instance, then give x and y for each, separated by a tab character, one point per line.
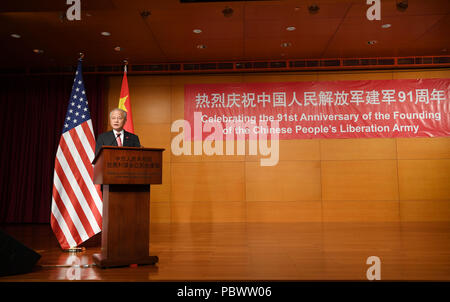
256	251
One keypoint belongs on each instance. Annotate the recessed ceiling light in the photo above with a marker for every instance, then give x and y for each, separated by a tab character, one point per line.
290	28
118	48
313	9
402	5
228	12
201	46
17	36
386	25
39	51
105	33
372	42
286	44
145	14
197	31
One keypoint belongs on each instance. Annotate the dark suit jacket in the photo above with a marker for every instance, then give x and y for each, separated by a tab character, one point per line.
108	139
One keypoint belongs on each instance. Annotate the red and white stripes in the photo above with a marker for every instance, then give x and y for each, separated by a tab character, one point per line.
76	213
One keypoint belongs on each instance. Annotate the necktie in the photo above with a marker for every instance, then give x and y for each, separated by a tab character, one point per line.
119	142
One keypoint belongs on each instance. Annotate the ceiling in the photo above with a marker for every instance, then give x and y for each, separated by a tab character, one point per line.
255	31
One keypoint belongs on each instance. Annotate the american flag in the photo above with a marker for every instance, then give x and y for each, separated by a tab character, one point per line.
76	213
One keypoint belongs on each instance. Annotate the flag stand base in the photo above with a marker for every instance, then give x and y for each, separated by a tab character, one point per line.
75	250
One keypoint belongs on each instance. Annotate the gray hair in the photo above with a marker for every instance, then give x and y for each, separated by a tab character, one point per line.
121	110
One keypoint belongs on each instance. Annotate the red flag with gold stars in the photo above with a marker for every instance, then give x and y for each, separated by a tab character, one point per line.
125	103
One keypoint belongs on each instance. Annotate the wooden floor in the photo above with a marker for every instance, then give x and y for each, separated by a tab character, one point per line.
257	251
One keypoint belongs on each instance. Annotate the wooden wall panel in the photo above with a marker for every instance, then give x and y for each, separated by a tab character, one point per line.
358	149
291	150
161	192
361	210
155	136
425	210
421	74
160	212
284	211
359	180
253	150
208	181
209	158
152	105
177	103
287	181
423	148
354	76
424	179
315	180
207	211
307	149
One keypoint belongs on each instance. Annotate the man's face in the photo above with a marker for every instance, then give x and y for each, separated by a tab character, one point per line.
117	120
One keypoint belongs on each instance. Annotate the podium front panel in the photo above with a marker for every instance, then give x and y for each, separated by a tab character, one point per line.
127	165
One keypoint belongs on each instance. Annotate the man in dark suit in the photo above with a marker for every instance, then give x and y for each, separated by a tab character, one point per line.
117	136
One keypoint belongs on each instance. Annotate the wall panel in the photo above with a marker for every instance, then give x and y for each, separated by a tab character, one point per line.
423	148
404	179
287	181
361	210
425	210
424	179
358	149
359	180
207	211
208	181
284	211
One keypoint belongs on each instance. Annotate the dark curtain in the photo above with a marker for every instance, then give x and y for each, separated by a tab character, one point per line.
33	112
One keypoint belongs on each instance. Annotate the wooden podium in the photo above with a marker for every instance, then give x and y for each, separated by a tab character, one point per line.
126	174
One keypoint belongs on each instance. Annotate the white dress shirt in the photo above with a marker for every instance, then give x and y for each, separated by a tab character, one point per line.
122	133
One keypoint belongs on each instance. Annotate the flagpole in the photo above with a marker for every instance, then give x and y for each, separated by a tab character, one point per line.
124	101
76	249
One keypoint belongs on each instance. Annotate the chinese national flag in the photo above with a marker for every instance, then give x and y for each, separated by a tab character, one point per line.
125	103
